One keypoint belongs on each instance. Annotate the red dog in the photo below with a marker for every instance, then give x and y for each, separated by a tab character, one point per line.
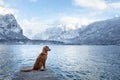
40	61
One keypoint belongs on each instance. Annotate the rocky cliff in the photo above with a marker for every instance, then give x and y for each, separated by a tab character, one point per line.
10	29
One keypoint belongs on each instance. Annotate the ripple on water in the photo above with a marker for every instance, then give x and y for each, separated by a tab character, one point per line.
68	62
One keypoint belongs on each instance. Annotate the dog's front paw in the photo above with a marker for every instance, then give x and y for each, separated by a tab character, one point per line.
43	69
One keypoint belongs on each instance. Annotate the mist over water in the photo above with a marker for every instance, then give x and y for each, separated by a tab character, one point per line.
69	62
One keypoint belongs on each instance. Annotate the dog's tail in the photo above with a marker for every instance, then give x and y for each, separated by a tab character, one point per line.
27	70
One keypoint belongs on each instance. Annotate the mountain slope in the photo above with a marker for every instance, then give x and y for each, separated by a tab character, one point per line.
57	34
102	32
9	28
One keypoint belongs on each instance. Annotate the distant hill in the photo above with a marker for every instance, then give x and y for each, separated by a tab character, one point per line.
10	29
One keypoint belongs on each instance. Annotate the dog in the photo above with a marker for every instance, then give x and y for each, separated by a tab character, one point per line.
40	60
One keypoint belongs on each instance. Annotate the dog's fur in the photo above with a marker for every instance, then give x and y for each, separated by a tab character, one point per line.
40	61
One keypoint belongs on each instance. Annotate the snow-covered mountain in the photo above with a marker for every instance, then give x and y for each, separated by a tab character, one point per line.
57	34
101	32
10	29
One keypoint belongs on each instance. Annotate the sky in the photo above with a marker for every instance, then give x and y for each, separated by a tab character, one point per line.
34	16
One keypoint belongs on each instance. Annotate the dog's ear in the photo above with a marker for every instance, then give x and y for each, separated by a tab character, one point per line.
44	50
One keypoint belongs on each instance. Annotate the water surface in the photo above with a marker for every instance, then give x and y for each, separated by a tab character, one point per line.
69	62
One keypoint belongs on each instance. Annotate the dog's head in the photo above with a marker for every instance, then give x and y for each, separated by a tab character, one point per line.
46	48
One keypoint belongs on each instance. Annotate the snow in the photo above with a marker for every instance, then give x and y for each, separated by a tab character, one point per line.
9	28
100	32
57	33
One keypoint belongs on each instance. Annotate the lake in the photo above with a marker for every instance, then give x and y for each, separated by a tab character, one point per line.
69	62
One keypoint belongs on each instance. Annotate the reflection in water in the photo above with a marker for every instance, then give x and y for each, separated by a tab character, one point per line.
68	62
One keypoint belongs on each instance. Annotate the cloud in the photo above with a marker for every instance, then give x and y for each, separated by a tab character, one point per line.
6	9
1	2
3	10
76	20
95	4
69	22
68	19
72	22
99	9
32	27
114	5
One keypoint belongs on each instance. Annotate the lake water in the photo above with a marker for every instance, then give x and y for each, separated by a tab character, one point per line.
69	62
